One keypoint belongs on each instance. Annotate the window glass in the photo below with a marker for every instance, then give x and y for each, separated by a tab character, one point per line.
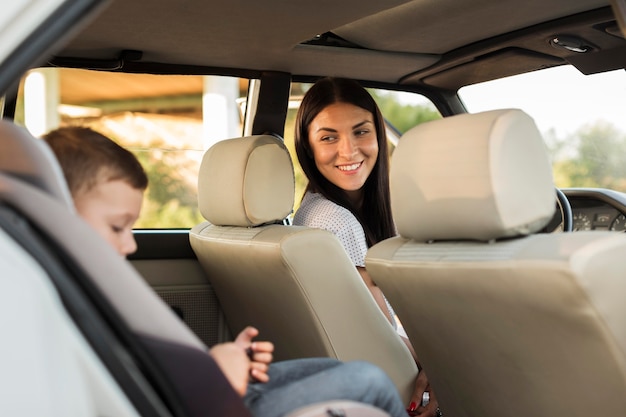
580	116
401	110
168	121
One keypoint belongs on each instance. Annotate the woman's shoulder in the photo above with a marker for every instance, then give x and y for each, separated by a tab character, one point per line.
317	211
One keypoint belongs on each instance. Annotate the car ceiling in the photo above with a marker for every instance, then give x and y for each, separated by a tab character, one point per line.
438	43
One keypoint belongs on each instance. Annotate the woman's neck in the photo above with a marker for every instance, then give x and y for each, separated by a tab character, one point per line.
356	198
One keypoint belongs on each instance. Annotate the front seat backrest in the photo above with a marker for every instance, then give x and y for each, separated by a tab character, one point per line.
506	322
295	284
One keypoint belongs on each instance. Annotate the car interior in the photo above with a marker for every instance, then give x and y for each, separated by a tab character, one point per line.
505	273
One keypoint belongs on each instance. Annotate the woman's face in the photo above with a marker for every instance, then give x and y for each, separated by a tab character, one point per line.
345	147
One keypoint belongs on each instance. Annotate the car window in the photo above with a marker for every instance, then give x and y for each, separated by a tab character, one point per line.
168	121
580	116
401	110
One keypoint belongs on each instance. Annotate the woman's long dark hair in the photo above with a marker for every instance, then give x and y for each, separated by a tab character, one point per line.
375	213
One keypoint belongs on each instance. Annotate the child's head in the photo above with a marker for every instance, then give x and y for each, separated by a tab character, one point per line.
106	182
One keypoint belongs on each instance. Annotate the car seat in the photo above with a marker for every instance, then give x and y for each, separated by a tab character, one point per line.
505	321
296	284
89	336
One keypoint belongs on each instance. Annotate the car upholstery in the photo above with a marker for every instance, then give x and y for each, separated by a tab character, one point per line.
506	322
296	284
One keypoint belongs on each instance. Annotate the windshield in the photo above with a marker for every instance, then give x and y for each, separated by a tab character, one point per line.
580	116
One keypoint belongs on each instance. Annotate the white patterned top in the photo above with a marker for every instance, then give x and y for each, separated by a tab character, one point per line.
317	211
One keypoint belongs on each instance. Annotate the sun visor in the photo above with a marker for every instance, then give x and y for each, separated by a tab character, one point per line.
599	61
499	64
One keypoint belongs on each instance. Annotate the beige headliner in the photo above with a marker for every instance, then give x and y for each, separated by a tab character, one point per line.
401	36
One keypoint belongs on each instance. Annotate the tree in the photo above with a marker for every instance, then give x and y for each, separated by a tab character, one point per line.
594	156
170	200
403	116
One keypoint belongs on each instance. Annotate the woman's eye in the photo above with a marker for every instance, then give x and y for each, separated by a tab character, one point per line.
117	229
326	138
361	132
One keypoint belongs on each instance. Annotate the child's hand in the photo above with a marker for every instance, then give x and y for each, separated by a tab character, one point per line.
260	353
234	364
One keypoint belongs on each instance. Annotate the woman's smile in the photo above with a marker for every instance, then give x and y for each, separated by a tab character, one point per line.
350	168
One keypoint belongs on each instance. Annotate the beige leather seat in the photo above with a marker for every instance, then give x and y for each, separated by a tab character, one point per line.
505	322
295	284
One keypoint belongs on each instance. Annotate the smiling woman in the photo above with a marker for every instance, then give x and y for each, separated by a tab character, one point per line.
343	150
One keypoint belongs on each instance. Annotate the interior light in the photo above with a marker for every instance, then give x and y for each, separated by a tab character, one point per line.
570	43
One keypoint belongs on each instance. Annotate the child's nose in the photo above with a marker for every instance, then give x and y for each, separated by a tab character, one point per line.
129	245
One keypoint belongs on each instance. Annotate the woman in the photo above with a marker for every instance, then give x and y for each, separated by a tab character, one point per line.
341	145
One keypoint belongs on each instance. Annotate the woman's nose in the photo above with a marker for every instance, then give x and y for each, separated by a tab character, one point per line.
347	147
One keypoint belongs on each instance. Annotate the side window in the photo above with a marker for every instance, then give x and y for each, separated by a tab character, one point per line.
168	121
401	110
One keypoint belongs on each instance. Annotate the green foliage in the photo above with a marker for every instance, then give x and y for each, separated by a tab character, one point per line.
171	215
170	200
594	156
403	116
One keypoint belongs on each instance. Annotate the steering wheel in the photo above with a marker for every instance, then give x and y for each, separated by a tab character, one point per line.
566	210
562	219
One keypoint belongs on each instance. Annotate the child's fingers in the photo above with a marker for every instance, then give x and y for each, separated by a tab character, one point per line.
262	347
262	357
258	371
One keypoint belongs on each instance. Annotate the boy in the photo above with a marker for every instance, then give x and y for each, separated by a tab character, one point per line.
106	182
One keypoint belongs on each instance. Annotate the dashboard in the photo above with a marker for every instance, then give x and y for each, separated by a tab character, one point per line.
597	209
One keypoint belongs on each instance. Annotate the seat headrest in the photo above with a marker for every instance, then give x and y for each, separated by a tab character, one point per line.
477	176
246	182
31	160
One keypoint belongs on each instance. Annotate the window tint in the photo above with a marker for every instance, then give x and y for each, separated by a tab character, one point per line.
168	121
